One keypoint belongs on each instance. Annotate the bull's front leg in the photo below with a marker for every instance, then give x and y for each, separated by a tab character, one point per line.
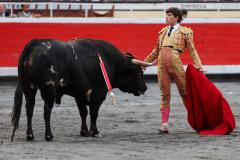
97	97
59	95
83	113
84	129
48	105
93	126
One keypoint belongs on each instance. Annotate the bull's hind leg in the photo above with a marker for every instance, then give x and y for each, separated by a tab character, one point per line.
30	102
48	96
83	113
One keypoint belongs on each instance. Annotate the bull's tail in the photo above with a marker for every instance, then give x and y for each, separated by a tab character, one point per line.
17	107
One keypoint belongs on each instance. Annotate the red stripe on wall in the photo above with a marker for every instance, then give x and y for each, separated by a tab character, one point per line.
217	44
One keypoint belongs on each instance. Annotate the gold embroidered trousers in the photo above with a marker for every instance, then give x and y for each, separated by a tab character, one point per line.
170	67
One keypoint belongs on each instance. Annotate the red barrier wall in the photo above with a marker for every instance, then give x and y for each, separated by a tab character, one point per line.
217	44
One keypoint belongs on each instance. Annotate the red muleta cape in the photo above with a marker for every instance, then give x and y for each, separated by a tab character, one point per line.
208	111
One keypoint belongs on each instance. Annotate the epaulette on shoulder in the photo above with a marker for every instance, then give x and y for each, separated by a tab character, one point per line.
162	30
186	30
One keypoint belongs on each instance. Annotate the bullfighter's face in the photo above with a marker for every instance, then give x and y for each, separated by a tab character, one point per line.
170	19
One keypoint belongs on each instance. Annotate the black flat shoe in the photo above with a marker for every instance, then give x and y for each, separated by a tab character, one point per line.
163	131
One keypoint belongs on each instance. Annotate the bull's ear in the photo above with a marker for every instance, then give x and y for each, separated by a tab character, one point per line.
141	63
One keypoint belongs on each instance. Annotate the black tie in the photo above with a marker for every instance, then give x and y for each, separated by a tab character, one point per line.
170	31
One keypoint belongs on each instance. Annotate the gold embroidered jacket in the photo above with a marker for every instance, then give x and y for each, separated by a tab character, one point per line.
182	38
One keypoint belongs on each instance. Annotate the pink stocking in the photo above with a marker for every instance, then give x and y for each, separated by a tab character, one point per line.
165	114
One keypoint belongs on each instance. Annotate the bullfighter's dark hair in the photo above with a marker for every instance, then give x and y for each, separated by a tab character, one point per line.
176	13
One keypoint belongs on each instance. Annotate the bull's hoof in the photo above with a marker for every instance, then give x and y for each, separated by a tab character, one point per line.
96	134
30	137
49	137
99	135
85	133
57	105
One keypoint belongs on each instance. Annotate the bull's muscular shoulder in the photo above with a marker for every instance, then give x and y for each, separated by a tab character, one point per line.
186	30
162	30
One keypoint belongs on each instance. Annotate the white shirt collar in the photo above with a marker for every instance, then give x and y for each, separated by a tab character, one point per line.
175	27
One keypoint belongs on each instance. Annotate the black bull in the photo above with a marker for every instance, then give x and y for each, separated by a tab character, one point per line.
72	68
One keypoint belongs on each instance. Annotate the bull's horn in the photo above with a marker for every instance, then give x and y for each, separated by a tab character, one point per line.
142	63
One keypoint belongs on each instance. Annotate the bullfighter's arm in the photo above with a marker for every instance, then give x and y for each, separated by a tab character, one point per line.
193	52
154	54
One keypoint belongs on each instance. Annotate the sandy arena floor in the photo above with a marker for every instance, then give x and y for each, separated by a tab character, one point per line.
130	130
